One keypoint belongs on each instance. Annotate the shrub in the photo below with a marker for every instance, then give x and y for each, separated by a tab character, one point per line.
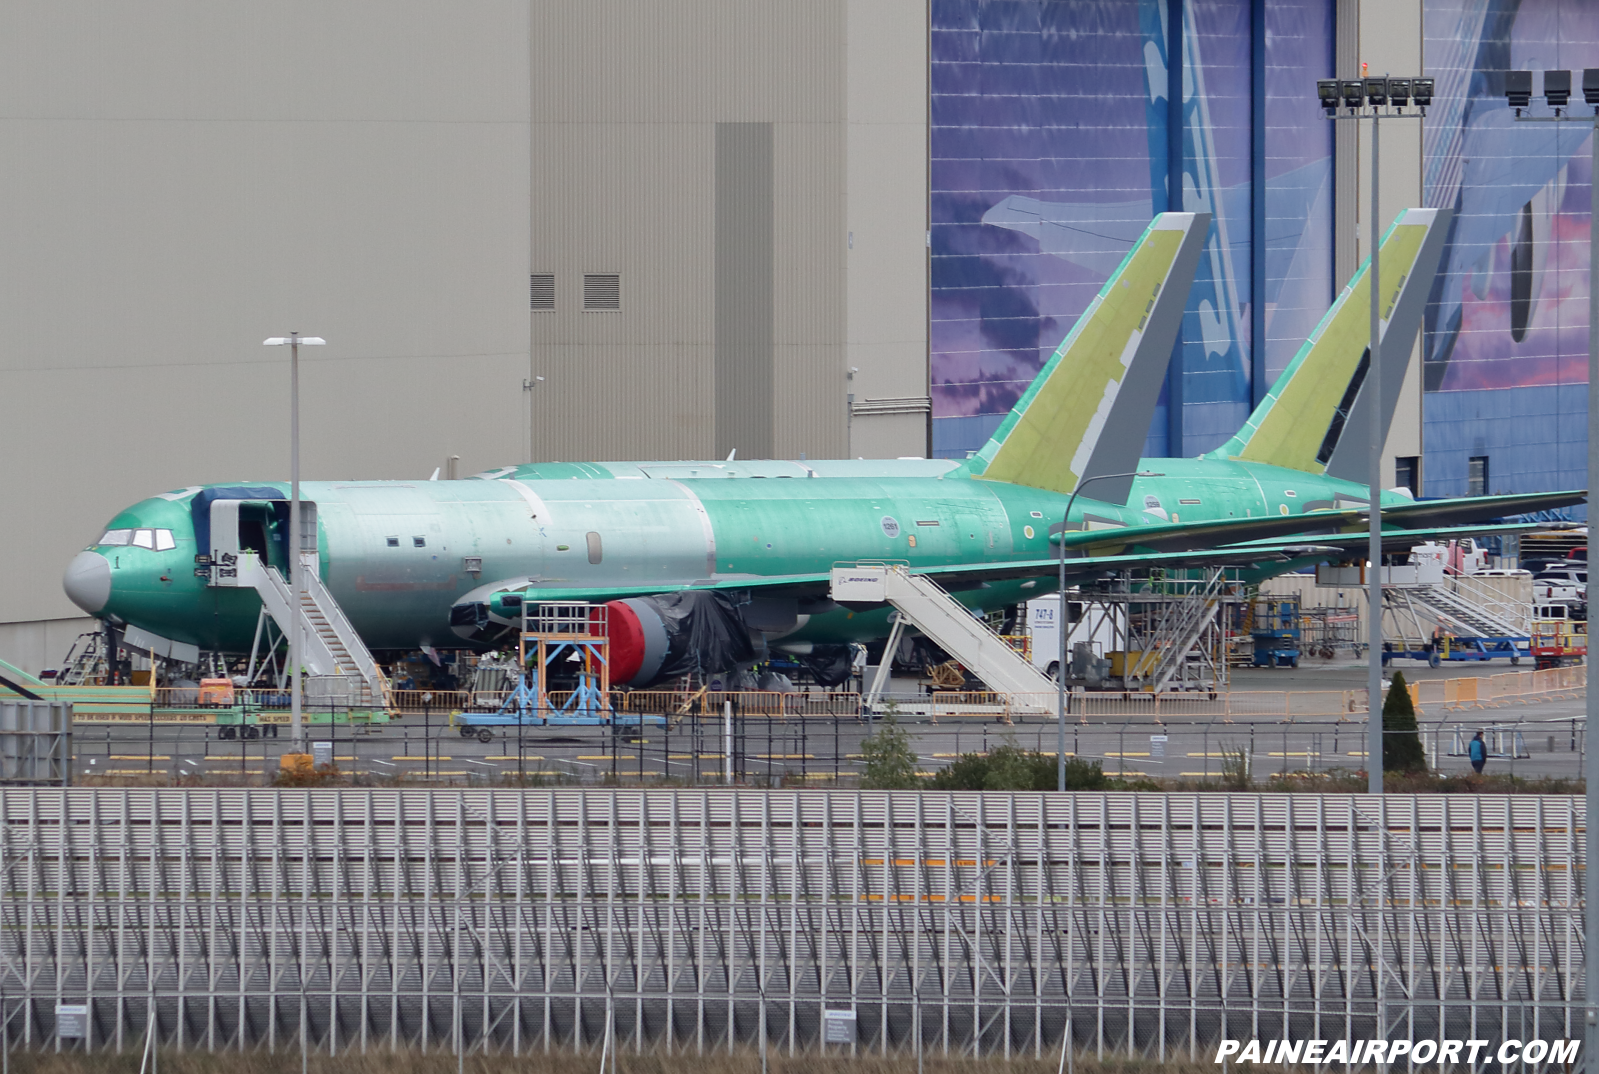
1401	739
890	760
1009	768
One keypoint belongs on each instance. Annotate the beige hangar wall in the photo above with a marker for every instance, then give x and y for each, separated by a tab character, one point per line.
180	180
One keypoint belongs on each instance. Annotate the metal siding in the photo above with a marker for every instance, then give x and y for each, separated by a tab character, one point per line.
626	102
186	179
744	298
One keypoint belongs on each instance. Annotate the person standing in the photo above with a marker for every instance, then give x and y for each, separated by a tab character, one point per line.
1478	753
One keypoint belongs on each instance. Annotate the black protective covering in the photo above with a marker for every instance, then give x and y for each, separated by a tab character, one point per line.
705	633
830	664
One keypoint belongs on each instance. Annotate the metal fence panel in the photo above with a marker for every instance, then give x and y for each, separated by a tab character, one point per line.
519	920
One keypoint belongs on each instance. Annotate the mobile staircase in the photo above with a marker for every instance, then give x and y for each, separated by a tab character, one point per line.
1175	642
1481	623
924	604
330	644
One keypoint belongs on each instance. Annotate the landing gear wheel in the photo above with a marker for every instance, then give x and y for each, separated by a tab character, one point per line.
485	736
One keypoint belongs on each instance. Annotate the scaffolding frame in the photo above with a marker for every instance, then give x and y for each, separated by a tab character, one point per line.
1173	631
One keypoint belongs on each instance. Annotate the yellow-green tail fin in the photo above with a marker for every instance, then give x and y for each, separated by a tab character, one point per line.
1315	418
1088	411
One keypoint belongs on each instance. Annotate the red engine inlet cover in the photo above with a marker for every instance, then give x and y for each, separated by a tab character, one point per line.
627	641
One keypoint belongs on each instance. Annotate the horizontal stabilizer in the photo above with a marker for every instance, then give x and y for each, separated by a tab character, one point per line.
1089	409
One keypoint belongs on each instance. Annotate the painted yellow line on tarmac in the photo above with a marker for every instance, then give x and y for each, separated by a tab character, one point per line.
1114	753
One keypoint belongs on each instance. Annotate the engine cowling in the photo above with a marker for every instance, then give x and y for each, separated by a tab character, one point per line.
662	637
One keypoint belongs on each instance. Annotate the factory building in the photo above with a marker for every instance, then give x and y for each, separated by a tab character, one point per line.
844	228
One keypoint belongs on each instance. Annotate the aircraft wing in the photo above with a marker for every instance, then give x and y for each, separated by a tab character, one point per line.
1479	508
956	577
1425	520
1400	540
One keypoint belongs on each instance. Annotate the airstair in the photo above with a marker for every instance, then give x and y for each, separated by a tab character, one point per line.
1178	630
922	603
330	645
1420	598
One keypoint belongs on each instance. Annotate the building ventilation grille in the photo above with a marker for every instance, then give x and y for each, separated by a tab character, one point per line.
541	291
602	291
913	404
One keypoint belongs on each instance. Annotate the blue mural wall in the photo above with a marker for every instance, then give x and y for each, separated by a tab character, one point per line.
1050	128
1505	341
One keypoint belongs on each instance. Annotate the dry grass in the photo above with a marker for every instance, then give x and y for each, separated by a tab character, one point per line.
743	1061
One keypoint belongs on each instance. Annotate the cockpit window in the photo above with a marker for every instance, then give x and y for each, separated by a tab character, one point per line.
155	540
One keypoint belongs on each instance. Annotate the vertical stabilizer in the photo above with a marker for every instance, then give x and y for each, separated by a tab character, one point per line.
1088	411
1316	417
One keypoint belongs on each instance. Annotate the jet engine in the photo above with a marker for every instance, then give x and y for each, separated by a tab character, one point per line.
662	637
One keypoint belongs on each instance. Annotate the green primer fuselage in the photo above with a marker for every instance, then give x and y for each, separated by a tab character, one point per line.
396	554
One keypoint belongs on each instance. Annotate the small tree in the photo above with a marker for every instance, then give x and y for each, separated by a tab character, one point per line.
890	760
1401	738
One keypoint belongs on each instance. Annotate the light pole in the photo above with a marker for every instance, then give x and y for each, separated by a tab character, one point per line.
1060	625
1392	94
294	341
527	389
1557	92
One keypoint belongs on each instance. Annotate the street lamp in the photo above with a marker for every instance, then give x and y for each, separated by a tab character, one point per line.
527	388
1557	93
1060	624
294	341
1386	97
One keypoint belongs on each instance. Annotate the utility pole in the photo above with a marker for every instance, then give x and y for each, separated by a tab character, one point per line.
296	543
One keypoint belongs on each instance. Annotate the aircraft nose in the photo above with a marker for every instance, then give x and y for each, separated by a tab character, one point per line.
88	581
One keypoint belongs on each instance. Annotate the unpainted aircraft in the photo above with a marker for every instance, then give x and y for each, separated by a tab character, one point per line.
439	564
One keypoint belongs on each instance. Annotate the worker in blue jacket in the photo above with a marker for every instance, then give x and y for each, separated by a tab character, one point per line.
1478	752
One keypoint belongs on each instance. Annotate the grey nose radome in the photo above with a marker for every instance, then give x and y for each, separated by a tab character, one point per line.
88	581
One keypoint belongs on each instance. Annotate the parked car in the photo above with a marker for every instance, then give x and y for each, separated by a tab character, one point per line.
1565	585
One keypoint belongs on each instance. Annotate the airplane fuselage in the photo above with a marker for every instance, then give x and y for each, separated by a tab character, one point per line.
397	555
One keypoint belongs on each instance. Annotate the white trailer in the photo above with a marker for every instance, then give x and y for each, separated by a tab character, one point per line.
1099	627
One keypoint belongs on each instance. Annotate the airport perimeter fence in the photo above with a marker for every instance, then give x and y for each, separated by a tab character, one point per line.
990	924
753	748
193	705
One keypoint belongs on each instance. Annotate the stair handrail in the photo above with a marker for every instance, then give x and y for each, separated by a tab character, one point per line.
1193	614
1515	613
345	631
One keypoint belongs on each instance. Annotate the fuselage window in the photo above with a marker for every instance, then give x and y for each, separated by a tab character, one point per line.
596	550
117	537
420	542
393	542
144	539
